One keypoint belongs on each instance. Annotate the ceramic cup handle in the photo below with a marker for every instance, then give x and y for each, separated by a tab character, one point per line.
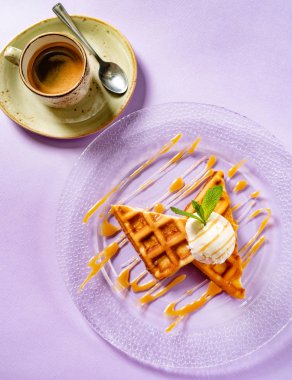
12	55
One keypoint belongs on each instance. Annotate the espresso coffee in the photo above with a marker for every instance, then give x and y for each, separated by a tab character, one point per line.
55	69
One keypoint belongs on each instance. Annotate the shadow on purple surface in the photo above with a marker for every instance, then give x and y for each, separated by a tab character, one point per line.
140	94
137	102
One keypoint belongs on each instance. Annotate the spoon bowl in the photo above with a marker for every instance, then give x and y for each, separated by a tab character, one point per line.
113	77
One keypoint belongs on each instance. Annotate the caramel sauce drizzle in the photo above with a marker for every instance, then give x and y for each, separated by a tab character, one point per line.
171	310
95	266
189	292
211	162
176	185
245	212
129	262
163	170
252	251
165	196
194	145
255	194
173	160
196	182
136	288
157	175
192	186
150	297
211	292
186	186
173	324
261	228
241	185
124	282
236	207
232	171
123	278
239	205
166	147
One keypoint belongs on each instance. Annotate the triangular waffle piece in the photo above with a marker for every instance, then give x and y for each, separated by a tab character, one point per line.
162	244
159	239
228	274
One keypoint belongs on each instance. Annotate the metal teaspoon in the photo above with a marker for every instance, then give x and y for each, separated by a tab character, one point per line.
111	75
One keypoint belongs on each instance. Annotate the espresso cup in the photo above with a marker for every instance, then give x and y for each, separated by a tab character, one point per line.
55	67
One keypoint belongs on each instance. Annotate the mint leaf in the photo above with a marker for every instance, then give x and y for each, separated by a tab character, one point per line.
210	200
199	209
205	209
185	213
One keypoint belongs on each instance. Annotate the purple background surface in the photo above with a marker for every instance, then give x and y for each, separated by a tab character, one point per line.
236	54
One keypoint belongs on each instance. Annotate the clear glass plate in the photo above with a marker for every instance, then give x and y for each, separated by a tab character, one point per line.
225	329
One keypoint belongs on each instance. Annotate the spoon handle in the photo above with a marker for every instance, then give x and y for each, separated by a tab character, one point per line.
62	14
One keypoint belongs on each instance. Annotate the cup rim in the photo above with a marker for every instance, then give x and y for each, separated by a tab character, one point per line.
57	95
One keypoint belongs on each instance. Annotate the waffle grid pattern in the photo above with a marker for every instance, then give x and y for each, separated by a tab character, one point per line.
159	239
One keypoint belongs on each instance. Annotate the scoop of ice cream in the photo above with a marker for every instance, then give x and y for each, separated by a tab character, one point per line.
212	243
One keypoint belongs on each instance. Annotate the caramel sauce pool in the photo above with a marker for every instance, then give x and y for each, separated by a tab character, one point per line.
241	185
108	229
176	185
159	208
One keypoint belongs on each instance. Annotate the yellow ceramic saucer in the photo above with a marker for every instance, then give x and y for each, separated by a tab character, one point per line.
96	111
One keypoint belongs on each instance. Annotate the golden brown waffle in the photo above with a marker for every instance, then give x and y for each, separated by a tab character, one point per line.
162	244
159	239
226	275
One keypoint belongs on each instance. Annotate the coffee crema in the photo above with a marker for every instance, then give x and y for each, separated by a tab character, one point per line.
56	68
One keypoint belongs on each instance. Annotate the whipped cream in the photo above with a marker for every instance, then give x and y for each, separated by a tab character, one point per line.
212	243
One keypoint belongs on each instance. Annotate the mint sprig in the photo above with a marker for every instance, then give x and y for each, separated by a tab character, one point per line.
185	213
205	209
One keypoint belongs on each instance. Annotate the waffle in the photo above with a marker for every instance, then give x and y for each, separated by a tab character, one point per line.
162	244
159	239
228	274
